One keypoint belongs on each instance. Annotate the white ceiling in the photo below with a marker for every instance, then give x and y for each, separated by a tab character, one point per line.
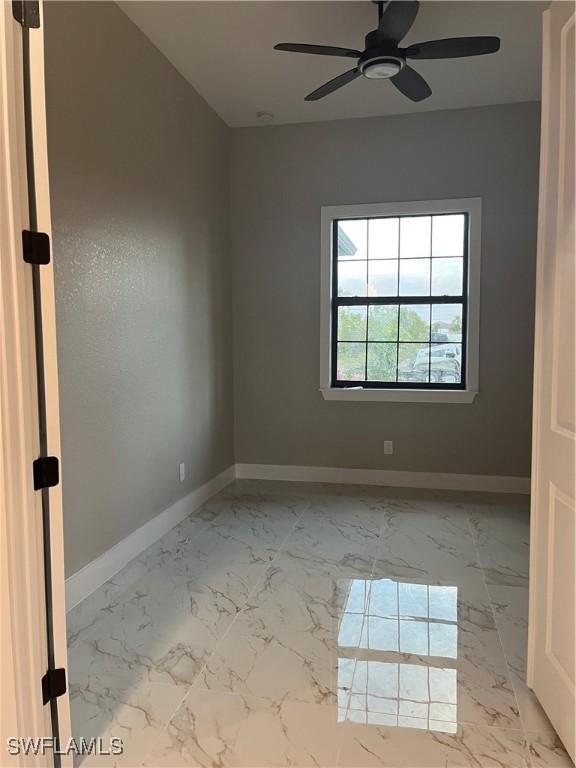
225	50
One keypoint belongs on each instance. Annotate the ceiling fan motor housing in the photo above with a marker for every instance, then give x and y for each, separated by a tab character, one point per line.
377	66
381	59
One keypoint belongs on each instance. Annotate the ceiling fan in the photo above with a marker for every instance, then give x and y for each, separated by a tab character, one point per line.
382	57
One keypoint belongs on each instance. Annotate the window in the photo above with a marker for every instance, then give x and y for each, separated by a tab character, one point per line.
402	283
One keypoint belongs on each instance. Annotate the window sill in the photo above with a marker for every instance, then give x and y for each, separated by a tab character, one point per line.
400	395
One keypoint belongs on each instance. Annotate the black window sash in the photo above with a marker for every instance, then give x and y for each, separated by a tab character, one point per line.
361	301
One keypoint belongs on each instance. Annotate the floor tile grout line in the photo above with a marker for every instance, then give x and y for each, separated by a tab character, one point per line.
504	654
468	723
521	729
188	689
193	685
284	539
91	628
308	505
204	528
371	577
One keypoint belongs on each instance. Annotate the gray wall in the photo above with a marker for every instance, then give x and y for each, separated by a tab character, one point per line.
140	185
281	176
139	170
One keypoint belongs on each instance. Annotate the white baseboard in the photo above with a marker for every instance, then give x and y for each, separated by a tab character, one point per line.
88	579
400	479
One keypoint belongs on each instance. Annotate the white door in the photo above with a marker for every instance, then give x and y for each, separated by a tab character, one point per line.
24	656
551	665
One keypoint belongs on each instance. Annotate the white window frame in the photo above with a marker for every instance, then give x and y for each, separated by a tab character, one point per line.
470	205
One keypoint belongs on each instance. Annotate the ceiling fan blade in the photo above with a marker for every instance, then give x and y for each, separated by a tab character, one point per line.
397	19
319	50
333	85
453	48
411	84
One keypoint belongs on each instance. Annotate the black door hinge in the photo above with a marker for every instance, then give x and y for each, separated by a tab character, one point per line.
53	684
46	472
36	247
27	13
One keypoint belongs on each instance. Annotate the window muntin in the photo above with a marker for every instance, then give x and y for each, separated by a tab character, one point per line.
399	301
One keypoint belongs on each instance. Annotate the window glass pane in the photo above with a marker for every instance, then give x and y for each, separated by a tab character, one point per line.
448	235
383	238
350	631
383	598
414	637
444	640
382	362
446	322
380	634
383	278
415	277
358	593
415	322
352	278
414	682
413	599
446	363
443	685
383	323
352	239
447	275
413	362
443	602
352	323
351	361
414	237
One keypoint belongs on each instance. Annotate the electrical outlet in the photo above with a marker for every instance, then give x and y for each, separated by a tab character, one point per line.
182	472
388	447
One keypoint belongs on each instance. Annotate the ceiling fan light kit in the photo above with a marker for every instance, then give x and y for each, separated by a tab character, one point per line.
381	67
383	59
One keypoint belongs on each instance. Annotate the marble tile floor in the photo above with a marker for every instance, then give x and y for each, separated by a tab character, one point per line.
298	624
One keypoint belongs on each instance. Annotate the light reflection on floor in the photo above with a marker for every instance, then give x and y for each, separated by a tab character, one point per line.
205	651
383	619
